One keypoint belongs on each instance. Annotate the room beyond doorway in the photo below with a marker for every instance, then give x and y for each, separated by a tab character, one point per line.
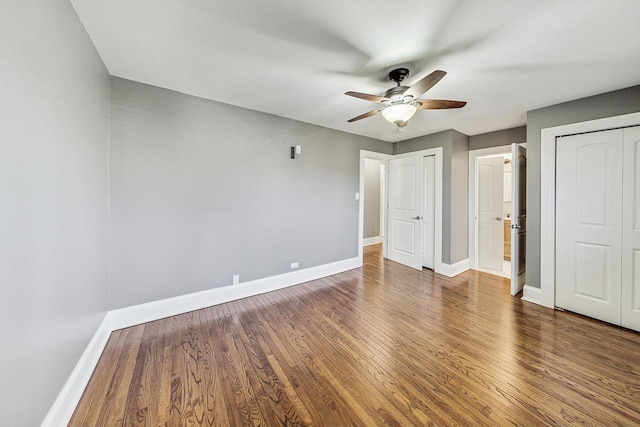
497	212
493	214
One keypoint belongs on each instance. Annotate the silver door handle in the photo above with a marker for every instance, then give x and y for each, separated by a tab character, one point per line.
499	218
417	217
516	226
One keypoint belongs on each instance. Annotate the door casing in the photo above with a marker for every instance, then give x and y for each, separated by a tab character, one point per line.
437	153
545	294
364	154
474	156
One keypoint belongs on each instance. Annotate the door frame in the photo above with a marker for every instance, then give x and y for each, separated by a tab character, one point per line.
374	240
474	156
383	202
364	154
545	295
438	153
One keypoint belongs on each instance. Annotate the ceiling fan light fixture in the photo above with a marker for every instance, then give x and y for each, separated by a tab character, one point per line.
400	103
398	113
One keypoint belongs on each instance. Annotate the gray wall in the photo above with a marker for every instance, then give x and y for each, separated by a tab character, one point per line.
498	138
201	191
54	119
455	170
609	104
459	206
371	227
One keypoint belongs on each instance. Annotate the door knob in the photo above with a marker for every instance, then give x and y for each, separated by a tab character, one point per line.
499	218
417	217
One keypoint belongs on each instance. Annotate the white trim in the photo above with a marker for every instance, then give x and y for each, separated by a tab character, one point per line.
438	153
474	156
364	154
531	294
371	241
452	270
62	409
383	201
548	193
69	397
438	206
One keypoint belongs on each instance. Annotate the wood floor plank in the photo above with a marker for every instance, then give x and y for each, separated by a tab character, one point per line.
276	399
219	327
380	345
354	380
412	352
112	380
314	371
246	404
315	392
143	394
364	364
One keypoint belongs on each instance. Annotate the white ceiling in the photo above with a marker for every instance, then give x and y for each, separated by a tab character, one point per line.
296	58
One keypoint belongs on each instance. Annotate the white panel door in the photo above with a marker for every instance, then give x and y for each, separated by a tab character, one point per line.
490	210
631	230
428	212
589	224
405	205
518	216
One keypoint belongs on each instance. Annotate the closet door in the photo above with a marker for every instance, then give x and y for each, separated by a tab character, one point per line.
589	224
631	230
405	208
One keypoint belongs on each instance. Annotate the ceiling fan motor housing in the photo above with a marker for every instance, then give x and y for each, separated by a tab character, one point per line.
395	93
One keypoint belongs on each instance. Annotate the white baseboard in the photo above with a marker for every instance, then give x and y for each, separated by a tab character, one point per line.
452	270
142	313
371	241
532	294
60	413
68	398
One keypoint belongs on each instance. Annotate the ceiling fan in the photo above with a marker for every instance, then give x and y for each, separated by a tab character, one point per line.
400	103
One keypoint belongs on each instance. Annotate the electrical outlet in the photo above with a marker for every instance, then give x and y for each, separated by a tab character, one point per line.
294	265
236	279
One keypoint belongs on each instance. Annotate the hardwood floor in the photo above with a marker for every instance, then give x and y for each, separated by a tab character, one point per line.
380	345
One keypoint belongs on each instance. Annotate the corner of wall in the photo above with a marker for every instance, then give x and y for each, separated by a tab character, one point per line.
69	397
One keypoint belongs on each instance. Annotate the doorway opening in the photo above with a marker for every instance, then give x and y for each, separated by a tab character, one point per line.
374	201
377	167
425	238
493	214
497	212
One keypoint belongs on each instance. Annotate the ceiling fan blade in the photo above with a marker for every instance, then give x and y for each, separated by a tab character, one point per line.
367	97
425	84
365	115
438	104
